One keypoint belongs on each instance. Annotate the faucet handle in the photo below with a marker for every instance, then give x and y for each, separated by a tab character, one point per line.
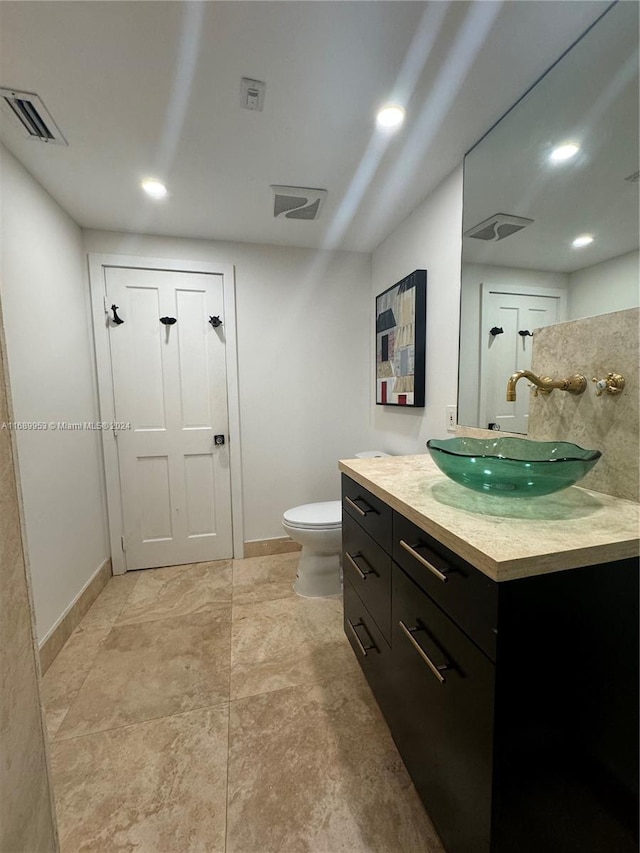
601	385
613	383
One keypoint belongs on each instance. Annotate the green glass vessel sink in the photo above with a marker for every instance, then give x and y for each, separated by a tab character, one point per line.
512	467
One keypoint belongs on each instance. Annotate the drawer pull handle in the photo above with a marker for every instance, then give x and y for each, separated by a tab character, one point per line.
360	624
352	560
436	670
355	506
411	549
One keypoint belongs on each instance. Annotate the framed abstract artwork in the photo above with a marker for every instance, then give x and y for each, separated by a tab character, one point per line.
401	318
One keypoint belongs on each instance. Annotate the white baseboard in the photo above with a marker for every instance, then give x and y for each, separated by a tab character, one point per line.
61	630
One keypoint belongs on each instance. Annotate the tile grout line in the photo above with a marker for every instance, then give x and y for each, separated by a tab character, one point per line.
220	705
54	737
113	625
218	709
185	569
306	683
166	616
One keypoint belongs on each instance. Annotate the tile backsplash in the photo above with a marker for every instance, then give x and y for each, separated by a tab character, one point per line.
593	346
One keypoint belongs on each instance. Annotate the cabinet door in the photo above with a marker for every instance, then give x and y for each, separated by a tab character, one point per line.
372	514
368	568
371	649
442	718
464	593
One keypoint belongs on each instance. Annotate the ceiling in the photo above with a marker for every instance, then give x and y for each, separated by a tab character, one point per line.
153	88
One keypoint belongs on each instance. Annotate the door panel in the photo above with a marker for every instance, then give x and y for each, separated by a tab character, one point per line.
170	385
195	381
506	353
154	498
144	396
199	477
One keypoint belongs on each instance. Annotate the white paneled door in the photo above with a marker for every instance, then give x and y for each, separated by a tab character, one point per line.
169	385
517	313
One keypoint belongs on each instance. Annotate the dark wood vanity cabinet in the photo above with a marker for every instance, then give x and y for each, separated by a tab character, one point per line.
514	705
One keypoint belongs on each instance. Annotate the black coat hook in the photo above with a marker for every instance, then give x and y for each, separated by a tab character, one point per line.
168	321
525	333
215	322
497	330
117	320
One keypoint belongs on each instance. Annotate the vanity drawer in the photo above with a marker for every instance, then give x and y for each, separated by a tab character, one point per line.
368	568
442	721
369	511
370	647
464	593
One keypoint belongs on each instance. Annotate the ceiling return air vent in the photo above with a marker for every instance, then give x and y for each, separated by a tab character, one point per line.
297	202
497	227
34	117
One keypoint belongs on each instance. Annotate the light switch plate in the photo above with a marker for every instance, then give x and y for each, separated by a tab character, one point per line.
252	94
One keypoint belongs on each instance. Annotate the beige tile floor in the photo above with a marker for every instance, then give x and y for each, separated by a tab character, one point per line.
208	709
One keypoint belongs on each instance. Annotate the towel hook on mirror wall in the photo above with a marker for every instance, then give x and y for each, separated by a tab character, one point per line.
215	321
497	330
116	320
168	321
525	333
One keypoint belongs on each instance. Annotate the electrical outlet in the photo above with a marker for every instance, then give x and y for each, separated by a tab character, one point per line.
452	418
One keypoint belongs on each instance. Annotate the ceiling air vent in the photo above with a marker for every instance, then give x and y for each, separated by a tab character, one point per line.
497	227
28	109
297	202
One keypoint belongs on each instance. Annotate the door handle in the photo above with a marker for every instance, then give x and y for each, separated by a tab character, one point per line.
352	560
435	669
412	550
355	506
363	649
218	440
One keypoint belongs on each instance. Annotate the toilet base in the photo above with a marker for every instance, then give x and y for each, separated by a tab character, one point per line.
318	574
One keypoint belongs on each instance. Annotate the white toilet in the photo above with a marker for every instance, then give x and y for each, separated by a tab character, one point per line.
318	528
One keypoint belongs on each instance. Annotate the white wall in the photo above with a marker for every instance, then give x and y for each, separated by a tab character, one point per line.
602	288
51	368
473	276
430	238
304	341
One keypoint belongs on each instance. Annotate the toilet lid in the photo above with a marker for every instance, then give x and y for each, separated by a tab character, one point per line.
325	514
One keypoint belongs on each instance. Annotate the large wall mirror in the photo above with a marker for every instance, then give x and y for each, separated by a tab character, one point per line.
550	221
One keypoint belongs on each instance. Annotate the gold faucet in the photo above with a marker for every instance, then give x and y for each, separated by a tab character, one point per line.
575	384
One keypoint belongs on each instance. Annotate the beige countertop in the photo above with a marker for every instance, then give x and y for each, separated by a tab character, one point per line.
505	538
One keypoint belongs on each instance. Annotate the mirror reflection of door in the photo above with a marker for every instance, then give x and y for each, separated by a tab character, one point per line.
513	309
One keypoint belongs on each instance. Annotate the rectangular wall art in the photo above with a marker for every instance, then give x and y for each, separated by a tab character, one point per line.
400	342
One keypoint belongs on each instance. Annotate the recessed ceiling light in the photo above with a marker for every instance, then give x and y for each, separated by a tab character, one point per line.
564	152
154	189
390	116
582	240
